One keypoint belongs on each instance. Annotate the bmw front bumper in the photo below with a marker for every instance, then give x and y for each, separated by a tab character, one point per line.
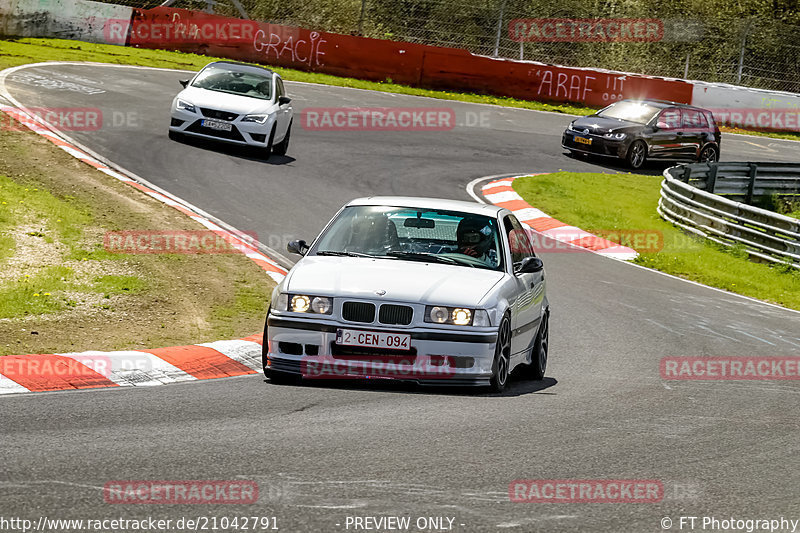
445	357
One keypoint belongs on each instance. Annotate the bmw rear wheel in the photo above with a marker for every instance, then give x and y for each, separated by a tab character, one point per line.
538	364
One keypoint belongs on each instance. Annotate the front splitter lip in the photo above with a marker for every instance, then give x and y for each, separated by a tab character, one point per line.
447	378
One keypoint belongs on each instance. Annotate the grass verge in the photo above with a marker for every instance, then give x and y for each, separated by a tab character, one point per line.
62	291
599	203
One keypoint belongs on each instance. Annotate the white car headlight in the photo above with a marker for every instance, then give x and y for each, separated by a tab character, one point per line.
260	119
459	316
186	106
302	303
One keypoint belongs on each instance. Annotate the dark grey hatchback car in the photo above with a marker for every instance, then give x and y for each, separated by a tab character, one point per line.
638	130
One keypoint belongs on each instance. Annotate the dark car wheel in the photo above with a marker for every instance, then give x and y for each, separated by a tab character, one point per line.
536	369
709	154
637	154
502	357
282	147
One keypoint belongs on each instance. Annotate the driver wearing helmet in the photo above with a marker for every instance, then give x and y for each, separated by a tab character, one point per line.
475	240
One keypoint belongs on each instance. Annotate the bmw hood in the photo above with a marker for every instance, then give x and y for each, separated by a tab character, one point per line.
242	105
405	281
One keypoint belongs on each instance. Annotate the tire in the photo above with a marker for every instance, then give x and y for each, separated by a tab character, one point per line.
265	347
282	147
268	148
502	357
708	154
536	369
637	155
175	136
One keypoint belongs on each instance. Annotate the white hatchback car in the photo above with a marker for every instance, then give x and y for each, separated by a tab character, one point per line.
427	290
234	103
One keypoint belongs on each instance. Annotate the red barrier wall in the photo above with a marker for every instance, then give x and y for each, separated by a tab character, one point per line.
375	59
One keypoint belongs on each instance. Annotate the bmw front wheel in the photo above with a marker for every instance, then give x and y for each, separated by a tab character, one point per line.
502	357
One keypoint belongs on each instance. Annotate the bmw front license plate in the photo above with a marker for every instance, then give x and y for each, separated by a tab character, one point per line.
582	140
373	339
215	125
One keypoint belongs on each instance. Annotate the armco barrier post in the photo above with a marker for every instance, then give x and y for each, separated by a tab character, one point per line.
751	185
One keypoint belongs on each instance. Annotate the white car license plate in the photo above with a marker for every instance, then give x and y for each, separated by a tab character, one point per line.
214	125
373	339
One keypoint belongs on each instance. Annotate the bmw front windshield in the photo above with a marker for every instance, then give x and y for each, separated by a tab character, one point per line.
637	112
411	234
225	80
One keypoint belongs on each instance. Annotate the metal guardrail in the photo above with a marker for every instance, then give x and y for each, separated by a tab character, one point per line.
692	198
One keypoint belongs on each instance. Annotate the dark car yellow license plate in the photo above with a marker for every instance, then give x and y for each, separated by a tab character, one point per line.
582	140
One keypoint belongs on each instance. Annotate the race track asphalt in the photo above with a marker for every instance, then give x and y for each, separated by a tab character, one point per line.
326	451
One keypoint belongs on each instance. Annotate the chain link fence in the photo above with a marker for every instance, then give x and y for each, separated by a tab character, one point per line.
715	45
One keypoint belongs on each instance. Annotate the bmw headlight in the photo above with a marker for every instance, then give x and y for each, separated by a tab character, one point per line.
186	106
303	303
259	119
615	136
458	316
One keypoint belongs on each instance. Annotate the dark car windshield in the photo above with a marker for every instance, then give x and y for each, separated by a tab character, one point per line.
410	234
224	80
637	112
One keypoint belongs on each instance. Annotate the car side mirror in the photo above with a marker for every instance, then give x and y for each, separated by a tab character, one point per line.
184	83
297	247
530	265
283	100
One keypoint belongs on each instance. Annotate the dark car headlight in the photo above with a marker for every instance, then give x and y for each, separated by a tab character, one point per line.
458	316
616	136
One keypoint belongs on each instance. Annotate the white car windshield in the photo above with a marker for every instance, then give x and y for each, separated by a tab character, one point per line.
410	234
224	80
638	112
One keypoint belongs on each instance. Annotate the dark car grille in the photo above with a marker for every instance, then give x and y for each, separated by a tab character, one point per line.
358	312
233	135
395	314
221	115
